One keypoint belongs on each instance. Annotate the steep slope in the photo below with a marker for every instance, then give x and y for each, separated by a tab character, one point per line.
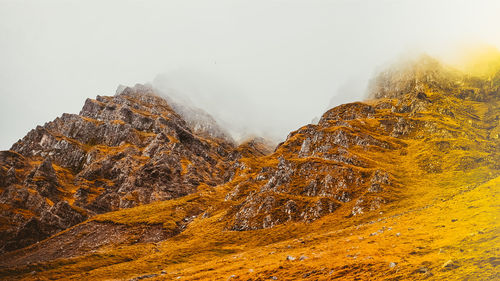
353	156
402	186
119	152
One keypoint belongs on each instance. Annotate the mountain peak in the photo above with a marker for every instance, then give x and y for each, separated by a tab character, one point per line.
121	151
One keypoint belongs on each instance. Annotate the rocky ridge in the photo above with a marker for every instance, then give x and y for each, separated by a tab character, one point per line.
119	152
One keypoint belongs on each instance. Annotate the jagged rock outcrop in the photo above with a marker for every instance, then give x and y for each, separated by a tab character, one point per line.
200	121
121	151
424	74
315	171
11	164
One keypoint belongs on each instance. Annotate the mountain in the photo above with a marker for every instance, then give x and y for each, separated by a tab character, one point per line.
402	186
119	152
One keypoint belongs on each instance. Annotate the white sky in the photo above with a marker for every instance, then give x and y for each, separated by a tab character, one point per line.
265	67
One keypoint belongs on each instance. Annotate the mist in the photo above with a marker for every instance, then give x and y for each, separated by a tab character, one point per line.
260	67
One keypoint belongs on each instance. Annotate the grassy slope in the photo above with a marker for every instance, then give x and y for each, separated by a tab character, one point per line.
420	234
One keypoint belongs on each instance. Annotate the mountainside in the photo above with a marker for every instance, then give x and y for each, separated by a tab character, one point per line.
401	186
119	152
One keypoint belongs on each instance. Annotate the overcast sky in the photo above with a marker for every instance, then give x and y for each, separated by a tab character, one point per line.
264	67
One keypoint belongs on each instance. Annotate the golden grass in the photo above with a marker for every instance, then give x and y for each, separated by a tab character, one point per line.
167	213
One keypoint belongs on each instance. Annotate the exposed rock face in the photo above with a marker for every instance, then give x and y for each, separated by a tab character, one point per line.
200	121
413	76
315	171
428	74
119	152
10	165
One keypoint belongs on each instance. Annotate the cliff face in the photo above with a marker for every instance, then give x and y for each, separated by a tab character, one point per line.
119	152
401	186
